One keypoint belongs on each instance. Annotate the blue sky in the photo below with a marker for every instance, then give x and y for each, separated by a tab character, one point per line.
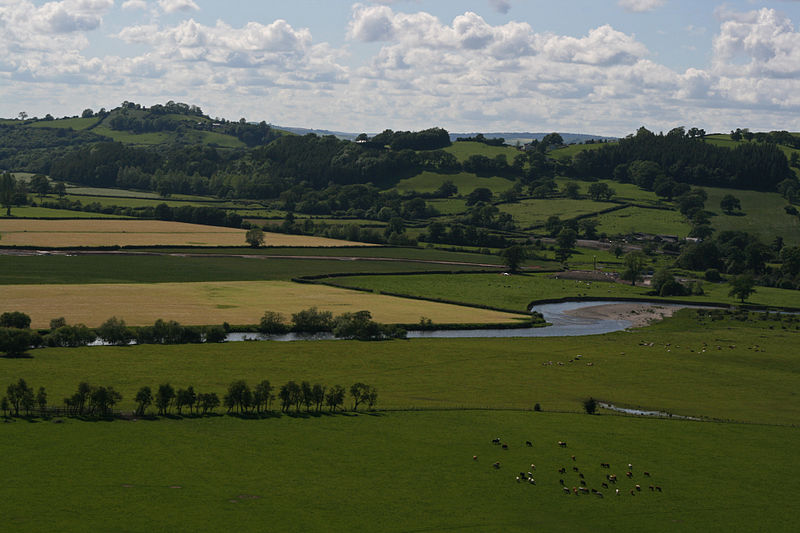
603	67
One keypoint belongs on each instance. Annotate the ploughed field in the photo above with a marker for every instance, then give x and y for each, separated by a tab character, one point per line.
407	469
235	302
76	233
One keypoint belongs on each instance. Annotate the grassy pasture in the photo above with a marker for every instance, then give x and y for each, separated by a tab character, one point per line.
637	219
463	150
235	302
568	152
516	292
396	472
735	382
624	191
72	233
75	123
46	212
126	268
465	181
763	215
528	213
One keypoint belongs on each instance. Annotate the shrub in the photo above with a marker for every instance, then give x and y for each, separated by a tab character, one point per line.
15	319
713	275
590	405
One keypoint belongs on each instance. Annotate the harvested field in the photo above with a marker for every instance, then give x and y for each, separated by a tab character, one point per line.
237	302
74	233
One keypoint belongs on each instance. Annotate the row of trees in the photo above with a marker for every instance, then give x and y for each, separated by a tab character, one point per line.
90	400
358	325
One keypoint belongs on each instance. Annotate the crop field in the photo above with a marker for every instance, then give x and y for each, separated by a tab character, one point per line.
640	220
528	213
465	181
463	150
763	215
235	302
394	472
72	233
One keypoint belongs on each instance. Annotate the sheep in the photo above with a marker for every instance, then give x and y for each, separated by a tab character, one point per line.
533	466
617	491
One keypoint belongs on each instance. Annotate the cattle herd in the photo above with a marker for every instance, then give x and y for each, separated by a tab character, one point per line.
575	482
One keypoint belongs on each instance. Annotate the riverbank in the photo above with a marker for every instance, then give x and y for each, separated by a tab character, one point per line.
638	314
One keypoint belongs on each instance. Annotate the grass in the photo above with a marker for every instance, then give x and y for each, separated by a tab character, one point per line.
529	213
477	373
627	192
516	292
398	472
640	220
67	123
72	233
764	215
124	268
465	181
235	302
46	212
568	152
463	150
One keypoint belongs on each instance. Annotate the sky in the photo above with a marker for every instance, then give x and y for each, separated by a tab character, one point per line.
604	67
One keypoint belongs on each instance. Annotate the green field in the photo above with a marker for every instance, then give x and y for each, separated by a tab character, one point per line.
640	220
463	150
530	213
627	192
763	215
395	472
75	123
46	212
465	181
568	152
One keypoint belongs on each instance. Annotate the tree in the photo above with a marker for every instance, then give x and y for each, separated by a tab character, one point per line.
358	325
572	190
87	113
114	331
318	395
19	394
14	342
729	204
565	242
362	393
15	319
446	190
185	397
143	400
41	399
8	189
600	191
239	396
254	237
312	320
634	264
307	394
589	228
60	189
164	398
208	401
40	185
480	194
262	395
4	405
335	397
742	287
590	406
514	257
103	399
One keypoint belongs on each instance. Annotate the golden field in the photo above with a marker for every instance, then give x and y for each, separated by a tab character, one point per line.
205	303
74	233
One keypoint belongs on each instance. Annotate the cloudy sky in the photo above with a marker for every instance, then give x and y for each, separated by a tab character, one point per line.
591	66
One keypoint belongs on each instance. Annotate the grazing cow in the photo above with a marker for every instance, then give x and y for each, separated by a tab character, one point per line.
629	474
612	478
522	475
647	474
617	491
505	446
658	488
529	444
604	485
575	469
605	465
533	466
562	444
496	465
630	466
580	476
573	458
633	492
474	457
532	481
565	489
652	488
496	441
638	488
517	479
583	490
599	494
561	481
562	470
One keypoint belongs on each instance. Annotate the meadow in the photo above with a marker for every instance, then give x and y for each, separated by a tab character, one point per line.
427	182
762	215
640	220
463	150
207	303
393	472
76	233
46	212
530	213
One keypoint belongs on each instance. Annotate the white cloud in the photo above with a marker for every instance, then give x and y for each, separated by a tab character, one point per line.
134	4
640	6
501	6
171	6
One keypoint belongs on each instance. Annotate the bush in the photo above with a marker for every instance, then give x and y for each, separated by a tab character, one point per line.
537	407
590	406
70	336
713	275
15	319
15	341
312	320
272	323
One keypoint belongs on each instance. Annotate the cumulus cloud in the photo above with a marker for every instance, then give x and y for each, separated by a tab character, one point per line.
171	6
501	6
134	4
640	6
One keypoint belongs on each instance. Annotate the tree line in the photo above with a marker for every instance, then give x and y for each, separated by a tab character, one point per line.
239	398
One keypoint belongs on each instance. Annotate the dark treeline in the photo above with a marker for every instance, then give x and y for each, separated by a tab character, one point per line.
686	159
